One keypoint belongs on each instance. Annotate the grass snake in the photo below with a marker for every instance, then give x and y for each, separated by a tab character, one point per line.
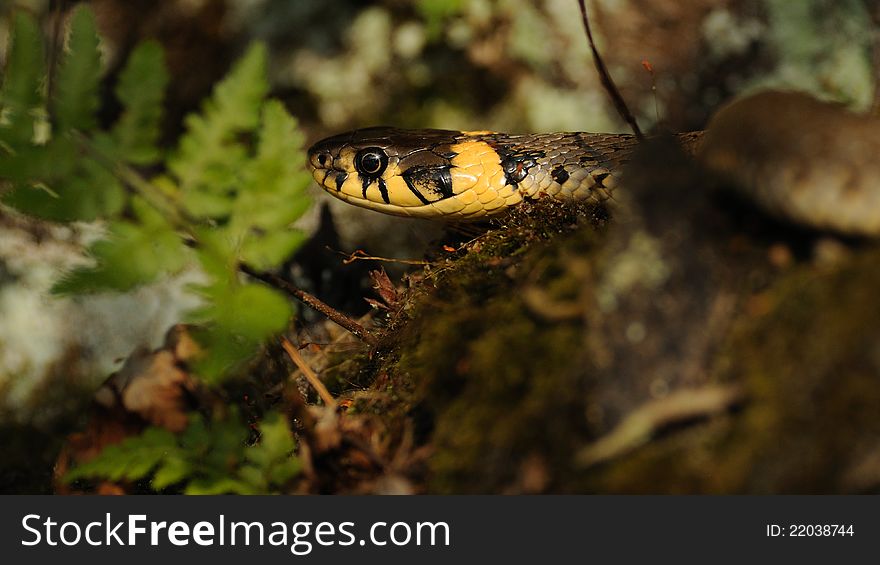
811	162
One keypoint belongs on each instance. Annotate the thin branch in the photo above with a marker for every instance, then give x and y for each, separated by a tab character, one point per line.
361	255
309	374
605	77
335	315
646	64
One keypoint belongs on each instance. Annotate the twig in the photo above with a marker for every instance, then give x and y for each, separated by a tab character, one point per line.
309	374
646	64
605	77
314	302
361	255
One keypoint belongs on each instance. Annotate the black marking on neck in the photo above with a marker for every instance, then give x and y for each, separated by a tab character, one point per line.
383	190
444	182
600	179
410	177
515	162
340	180
429	181
559	174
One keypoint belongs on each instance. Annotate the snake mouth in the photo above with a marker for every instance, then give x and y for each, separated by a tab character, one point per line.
333	178
330	178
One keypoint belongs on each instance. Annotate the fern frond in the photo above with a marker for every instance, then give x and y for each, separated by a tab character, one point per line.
23	81
208	458
273	192
209	157
75	101
141	91
133	253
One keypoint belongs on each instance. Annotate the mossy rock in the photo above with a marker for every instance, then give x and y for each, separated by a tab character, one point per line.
514	367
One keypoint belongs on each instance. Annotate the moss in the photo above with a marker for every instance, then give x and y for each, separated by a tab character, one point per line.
514	382
506	366
488	378
810	364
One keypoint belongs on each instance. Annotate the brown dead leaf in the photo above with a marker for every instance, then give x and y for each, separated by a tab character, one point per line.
384	288
153	388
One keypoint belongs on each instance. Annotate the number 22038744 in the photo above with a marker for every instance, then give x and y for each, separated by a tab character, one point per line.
809	530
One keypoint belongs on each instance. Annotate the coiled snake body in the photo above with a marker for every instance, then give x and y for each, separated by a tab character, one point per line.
808	161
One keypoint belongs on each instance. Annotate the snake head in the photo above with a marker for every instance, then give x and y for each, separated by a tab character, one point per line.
354	165
422	173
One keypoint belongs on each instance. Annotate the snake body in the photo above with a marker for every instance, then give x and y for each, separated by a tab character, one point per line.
808	161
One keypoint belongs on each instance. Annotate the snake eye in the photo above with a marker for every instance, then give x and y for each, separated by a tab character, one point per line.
371	161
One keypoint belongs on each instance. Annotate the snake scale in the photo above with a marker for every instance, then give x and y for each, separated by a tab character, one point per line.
810	162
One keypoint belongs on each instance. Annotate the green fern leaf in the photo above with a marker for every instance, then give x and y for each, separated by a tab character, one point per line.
208	457
141	90
22	82
237	317
209	157
134	253
131	460
33	164
236	321
172	469
267	250
86	193
273	192
53	179
273	189
216	173
273	455
75	102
